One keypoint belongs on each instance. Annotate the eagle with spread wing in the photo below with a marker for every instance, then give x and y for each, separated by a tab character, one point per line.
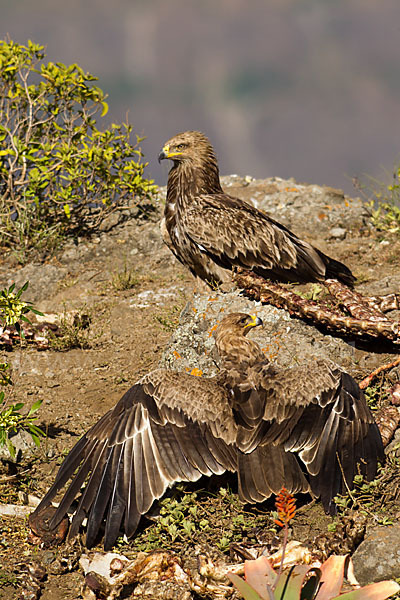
305	428
210	231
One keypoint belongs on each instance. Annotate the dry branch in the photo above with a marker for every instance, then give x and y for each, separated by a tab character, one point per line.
367	380
272	293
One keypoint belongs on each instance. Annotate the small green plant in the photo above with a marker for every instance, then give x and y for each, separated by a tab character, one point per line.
74	332
198	519
384	207
170	319
7	579
5	377
386	217
59	173
178	520
11	421
13	311
125	279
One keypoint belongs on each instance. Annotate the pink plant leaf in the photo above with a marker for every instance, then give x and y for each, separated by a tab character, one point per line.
374	591
244	588
332	577
259	574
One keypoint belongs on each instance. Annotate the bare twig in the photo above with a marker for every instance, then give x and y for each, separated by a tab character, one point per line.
367	380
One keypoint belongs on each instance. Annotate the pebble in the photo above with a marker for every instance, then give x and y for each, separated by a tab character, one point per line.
338	233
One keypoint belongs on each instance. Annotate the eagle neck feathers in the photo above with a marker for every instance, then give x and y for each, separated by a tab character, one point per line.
186	181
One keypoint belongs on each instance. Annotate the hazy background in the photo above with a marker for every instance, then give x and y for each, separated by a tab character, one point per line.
303	88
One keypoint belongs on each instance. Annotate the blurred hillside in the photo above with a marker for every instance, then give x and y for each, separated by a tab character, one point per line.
302	88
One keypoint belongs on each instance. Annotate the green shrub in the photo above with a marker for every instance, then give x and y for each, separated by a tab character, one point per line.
12	312
59	174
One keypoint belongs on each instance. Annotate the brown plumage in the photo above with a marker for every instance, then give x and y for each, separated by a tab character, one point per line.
264	423
210	231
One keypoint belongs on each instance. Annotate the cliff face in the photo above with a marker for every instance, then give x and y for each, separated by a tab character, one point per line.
305	89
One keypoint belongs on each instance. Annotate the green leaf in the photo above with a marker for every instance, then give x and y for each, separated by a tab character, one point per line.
36	439
11	448
36	430
35	406
290	583
67	211
105	109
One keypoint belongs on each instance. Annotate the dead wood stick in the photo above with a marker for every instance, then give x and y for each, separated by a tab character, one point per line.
14	510
367	380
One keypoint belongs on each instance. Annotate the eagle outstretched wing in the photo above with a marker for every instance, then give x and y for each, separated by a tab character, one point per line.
320	414
267	424
140	448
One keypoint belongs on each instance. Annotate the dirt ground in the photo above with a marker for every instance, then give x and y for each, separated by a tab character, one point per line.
127	333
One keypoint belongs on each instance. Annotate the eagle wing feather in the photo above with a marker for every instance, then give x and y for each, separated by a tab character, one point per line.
320	414
160	432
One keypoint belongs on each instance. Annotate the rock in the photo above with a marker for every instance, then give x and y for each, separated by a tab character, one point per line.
23	444
43	280
338	233
378	556
110	221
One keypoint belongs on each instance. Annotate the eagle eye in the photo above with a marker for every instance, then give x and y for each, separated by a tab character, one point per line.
180	146
243	319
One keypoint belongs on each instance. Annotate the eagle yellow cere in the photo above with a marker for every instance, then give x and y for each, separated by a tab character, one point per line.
210	231
268	425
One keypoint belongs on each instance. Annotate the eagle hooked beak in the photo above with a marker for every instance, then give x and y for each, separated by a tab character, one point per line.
255	321
167	153
163	154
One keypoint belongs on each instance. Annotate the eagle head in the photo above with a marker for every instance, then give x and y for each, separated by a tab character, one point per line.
239	324
189	146
232	345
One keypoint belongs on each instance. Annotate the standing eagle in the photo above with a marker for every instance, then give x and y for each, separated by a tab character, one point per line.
266	424
210	231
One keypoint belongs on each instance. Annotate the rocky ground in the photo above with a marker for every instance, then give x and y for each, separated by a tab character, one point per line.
131	305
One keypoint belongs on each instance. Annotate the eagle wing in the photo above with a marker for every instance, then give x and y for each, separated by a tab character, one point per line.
320	414
168	427
249	238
